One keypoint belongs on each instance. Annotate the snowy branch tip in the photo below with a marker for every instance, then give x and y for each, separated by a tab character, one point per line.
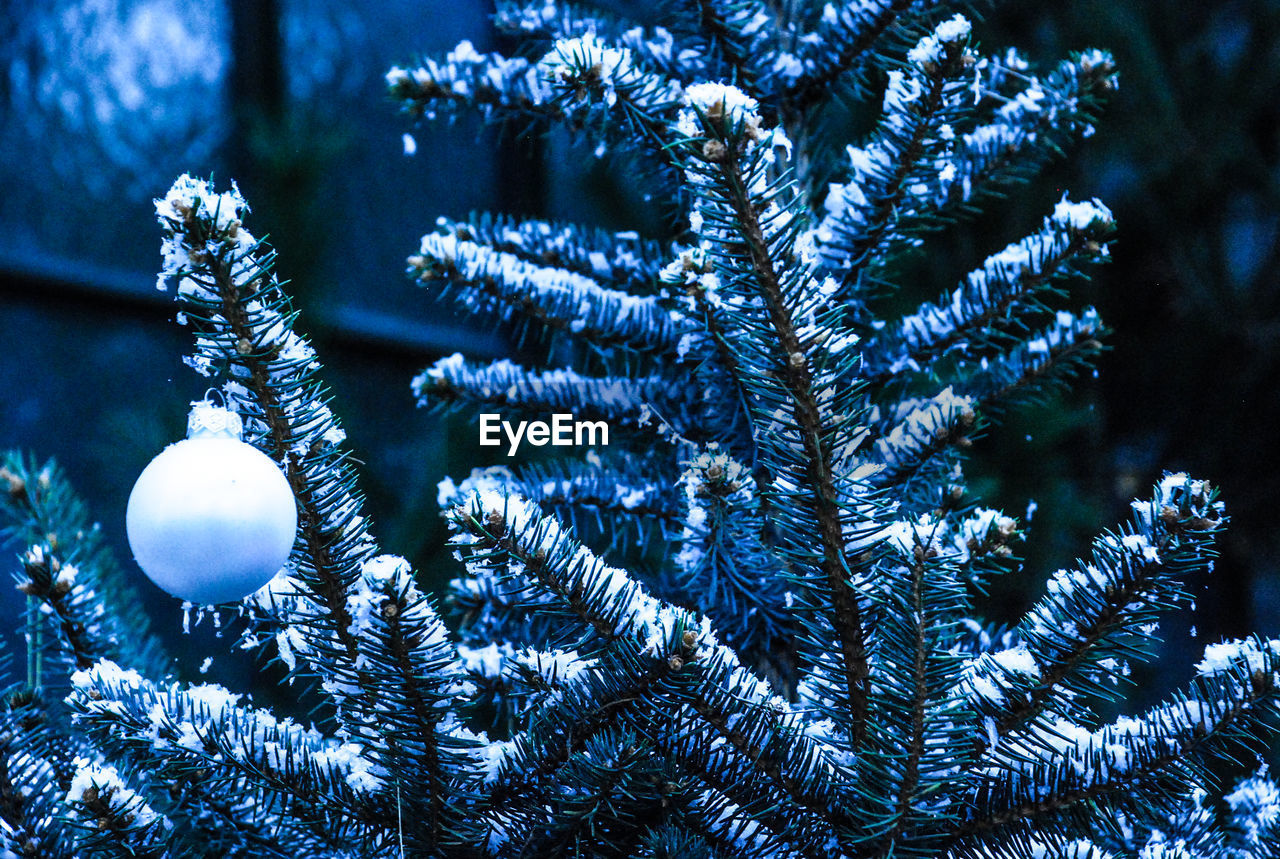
190	196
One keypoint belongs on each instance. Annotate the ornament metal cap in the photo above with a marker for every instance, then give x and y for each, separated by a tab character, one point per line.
207	420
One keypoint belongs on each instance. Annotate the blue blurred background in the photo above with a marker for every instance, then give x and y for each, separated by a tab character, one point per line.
104	102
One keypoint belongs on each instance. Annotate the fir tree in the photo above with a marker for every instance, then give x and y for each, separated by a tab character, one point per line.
749	626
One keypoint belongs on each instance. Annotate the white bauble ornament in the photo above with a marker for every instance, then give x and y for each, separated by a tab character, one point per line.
211	519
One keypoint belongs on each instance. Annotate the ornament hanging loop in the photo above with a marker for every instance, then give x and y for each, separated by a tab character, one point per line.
205	420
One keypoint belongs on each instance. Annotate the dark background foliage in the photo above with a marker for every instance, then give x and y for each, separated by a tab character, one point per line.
103	102
1188	158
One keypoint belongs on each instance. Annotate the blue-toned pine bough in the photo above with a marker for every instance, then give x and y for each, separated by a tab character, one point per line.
750	623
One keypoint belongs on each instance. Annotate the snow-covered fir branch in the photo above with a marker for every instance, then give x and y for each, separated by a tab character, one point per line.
906	160
554	299
35	758
340	611
842	43
993	299
622	258
750	624
78	592
114	815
